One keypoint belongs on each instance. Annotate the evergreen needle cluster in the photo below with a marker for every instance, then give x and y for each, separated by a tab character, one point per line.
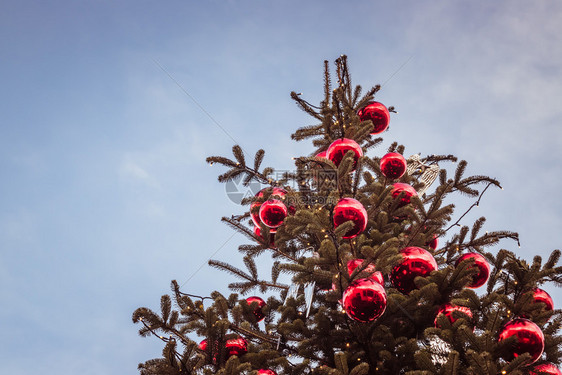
307	247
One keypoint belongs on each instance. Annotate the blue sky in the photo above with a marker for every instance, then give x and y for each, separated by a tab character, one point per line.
105	194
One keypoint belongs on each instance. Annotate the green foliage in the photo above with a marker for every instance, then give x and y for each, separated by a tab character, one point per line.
408	338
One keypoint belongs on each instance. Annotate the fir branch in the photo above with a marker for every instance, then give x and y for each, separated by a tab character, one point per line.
229	268
305	106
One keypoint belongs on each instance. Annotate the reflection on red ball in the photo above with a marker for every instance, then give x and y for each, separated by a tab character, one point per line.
337	150
276	192
416	262
257	232
483	269
433	243
273	212
448	311
321	154
203	345
349	209
540	295
237	346
547	368
266	372
258	311
364	300
530	338
370	270
393	165
255	213
378	114
408	191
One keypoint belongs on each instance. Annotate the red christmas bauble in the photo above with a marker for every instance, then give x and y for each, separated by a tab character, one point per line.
255	213
273	212
237	346
321	154
416	262
364	300
266	372
378	114
370	269
530	338
547	368
433	243
257	232
203	345
448	310
540	295
337	150
258	311
393	165
483	269
408	190
350	209
276	192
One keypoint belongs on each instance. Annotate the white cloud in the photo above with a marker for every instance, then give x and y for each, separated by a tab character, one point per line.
129	168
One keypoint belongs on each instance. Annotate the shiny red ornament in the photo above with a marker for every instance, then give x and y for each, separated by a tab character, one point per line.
273	212
321	154
416	262
540	295
237	346
258	311
393	165
530	338
448	311
266	372
408	190
276	192
337	150
255	213
257	232
370	269
433	243
203	345
483	269
364	300
378	114
350	209
547	368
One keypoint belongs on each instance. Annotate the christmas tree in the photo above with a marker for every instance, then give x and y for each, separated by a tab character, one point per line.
385	277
